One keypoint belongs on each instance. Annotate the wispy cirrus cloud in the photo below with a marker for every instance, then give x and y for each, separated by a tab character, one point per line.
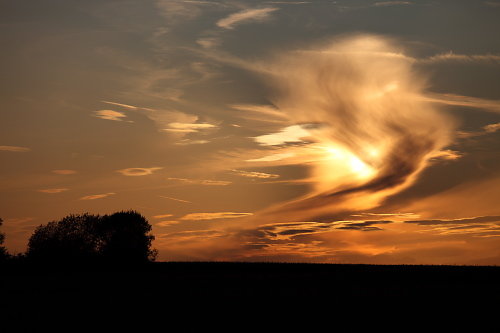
162	216
245	16
451	56
53	190
188	127
97	196
138	171
392	3
110	115
272	157
167	223
15	149
174	199
213	216
254	174
207	182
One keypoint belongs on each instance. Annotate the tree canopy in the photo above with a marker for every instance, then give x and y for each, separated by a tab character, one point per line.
121	237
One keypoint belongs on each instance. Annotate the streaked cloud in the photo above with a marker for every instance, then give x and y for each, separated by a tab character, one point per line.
187	142
110	115
467	101
122	105
15	149
451	56
162	216
254	174
447	154
477	219
53	190
245	16
207	182
166	223
138	171
290	134
208	42
188	127
492	127
64	172
214	216
174	199
97	196
272	157
392	3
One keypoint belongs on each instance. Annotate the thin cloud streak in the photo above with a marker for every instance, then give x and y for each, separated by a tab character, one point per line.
97	196
138	171
15	149
214	216
53	190
244	16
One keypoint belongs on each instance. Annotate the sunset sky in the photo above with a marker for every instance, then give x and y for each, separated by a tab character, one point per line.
299	131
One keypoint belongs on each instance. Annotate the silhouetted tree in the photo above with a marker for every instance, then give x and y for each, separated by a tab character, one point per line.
120	237
3	251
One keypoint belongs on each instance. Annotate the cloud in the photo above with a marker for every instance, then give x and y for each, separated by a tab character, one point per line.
214	216
188	127
492	127
447	154
467	101
138	171
291	230
131	107
454	57
290	134
53	190
272	157
15	149
174	199
208	42
245	16
366	116
206	182
478	219
64	172
110	115
162	216
166	223
186	142
97	196
254	174
392	3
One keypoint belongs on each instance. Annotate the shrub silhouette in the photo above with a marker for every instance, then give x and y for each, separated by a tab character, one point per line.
120	237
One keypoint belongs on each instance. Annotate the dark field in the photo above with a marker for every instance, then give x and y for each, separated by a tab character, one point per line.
164	290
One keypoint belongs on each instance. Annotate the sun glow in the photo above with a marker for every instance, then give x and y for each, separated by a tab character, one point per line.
349	162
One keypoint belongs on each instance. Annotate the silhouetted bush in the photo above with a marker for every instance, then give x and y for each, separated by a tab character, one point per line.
120	237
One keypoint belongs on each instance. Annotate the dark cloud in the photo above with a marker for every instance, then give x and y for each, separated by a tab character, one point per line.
480	219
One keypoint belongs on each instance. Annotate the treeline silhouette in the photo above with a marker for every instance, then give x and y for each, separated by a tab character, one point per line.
120	238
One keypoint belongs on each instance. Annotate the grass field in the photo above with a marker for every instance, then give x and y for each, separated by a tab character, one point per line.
165	289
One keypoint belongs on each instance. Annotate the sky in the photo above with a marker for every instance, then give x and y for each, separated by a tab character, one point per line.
284	131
